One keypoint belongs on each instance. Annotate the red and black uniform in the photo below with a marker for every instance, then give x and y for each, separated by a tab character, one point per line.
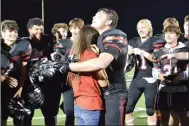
142	82
170	93
114	42
19	52
50	89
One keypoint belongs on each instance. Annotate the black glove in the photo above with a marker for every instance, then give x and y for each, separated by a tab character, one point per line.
62	67
35	97
65	68
17	108
57	57
157	55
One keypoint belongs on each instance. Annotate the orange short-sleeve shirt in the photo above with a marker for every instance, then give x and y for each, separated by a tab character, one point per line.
86	88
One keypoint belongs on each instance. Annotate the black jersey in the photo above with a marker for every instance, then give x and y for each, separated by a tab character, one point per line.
4	63
41	49
171	67
114	42
19	52
143	66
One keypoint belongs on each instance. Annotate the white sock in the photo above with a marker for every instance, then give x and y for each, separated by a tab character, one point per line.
151	123
130	122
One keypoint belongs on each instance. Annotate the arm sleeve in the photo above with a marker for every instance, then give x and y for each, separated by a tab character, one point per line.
111	49
115	45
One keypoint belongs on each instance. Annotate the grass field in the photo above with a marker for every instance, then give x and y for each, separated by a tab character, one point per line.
139	114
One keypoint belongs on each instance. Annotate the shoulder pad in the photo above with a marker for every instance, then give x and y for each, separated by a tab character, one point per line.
114	32
22	42
115	39
132	41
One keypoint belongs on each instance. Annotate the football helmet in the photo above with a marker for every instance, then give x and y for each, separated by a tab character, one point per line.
17	108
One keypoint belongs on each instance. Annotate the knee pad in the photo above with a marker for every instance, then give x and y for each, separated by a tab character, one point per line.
150	111
68	110
129	109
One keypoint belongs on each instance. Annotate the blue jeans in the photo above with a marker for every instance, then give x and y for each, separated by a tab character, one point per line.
86	117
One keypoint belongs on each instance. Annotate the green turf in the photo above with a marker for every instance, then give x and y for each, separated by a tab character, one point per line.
139	114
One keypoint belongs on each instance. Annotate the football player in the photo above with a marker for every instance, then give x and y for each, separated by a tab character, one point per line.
182	56
18	52
62	49
42	47
143	81
113	47
173	74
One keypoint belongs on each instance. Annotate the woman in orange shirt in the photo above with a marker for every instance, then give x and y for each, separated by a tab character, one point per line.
87	93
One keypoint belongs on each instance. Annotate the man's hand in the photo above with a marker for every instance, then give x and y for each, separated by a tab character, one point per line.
19	92
138	51
167	56
161	77
12	82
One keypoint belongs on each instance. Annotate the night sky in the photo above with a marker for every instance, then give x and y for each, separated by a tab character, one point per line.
129	11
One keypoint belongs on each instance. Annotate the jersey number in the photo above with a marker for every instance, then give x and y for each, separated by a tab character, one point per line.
170	70
143	63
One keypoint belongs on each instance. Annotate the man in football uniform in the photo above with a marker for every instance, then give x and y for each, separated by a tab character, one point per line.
173	74
18	52
12	82
113	47
62	49
42	47
142	82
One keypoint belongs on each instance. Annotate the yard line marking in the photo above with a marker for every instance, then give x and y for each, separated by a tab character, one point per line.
143	116
36	118
139	109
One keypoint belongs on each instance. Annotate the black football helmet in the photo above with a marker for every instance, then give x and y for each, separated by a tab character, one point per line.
17	108
41	71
